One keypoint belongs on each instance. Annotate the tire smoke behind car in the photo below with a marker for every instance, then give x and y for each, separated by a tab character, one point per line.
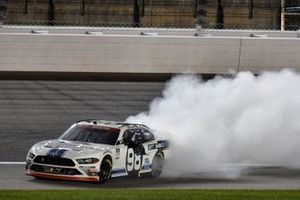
245	120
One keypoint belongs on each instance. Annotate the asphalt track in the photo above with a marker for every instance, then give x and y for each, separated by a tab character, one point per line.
37	110
13	177
32	111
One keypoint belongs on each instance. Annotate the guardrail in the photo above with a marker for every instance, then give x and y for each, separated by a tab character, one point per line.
112	50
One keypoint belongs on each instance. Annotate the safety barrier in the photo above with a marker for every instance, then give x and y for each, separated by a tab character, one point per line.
147	51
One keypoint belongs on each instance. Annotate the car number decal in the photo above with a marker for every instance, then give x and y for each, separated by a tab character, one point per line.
133	163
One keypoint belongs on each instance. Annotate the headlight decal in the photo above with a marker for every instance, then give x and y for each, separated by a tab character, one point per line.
87	160
31	155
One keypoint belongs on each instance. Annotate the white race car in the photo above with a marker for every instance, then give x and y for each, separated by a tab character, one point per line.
96	150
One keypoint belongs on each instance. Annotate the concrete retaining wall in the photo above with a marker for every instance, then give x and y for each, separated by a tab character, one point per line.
270	54
136	53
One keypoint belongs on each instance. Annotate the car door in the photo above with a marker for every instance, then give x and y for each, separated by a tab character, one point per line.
120	162
133	138
149	144
141	148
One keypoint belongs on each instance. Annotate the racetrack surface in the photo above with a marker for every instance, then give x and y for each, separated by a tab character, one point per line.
13	177
32	111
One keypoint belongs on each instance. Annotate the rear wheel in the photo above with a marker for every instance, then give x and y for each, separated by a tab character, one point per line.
157	165
105	170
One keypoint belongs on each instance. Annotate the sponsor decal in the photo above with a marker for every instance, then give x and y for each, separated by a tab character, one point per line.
57	152
146	167
151	146
162	144
53	170
117	151
147	161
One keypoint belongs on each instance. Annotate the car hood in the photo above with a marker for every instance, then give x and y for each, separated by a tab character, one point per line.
69	149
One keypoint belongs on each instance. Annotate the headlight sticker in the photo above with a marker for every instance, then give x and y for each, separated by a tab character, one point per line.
87	160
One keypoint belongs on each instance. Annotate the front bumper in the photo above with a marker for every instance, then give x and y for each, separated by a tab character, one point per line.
61	177
86	173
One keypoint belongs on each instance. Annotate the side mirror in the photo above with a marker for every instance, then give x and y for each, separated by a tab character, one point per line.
119	142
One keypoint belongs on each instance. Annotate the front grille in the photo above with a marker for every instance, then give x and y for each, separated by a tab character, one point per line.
54	161
54	170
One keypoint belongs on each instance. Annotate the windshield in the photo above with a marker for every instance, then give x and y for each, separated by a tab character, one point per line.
93	134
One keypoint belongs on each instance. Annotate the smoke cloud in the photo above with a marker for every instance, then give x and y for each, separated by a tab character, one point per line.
245	120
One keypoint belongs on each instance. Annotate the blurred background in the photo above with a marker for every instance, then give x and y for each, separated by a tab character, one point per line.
214	14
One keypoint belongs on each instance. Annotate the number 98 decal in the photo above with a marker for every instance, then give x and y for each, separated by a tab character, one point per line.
133	163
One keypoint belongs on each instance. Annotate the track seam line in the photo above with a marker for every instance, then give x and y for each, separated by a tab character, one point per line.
12	163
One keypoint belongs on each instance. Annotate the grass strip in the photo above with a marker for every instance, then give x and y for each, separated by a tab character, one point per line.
138	194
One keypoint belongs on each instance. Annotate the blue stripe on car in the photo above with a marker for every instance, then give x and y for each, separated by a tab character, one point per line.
118	171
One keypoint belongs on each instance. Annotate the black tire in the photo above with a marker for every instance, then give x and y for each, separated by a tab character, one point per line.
158	164
105	170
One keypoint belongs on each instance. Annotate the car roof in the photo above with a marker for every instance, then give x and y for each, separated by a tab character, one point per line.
111	124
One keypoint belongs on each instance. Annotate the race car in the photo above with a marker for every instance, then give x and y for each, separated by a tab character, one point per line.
97	150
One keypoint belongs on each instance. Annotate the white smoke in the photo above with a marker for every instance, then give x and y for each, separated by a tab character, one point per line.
244	120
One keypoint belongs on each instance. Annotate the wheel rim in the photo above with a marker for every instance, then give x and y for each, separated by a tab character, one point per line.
105	171
157	166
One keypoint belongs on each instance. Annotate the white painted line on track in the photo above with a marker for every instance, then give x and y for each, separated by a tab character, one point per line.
12	163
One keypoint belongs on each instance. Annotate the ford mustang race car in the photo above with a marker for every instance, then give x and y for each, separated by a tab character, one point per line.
96	150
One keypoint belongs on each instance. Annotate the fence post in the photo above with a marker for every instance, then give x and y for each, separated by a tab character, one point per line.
199	12
136	14
25	7
51	13
220	15
82	7
2	11
282	15
250	8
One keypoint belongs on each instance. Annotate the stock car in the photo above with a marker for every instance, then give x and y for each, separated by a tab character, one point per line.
97	150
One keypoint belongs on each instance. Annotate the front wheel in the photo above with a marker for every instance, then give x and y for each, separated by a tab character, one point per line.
105	170
157	165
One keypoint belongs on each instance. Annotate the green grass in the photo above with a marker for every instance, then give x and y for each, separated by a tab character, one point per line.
124	194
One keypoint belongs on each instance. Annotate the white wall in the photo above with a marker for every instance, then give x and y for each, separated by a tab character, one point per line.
145	54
